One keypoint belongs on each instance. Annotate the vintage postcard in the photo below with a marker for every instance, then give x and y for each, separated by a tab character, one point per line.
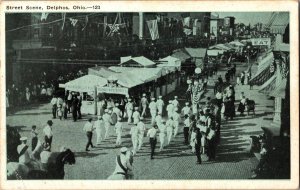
149	95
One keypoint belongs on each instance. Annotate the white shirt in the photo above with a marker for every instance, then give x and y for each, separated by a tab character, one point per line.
162	128
219	95
136	115
169	123
134	131
141	126
158	119
53	101
187	122
170	108
186	110
144	101
48	131
70	96
129	106
118	127
152	133
152	106
88	127
106	118
45	155
175	117
175	103
117	111
24	158
160	103
125	162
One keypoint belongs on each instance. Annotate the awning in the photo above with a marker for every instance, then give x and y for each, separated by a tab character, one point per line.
268	86
181	56
138	62
170	63
214	52
279	91
280	22
144	74
85	83
263	73
196	52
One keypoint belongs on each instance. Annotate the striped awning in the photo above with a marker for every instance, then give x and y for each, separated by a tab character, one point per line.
279	91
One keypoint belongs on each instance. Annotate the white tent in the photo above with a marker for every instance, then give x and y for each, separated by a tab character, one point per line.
137	61
170	63
85	83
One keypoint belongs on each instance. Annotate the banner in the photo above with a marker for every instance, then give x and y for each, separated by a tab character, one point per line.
153	28
73	21
113	90
44	16
187	31
261	42
186	21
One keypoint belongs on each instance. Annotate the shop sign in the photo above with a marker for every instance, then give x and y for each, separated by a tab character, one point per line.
261	41
113	90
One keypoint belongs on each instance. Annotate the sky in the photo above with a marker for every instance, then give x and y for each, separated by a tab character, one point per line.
247	17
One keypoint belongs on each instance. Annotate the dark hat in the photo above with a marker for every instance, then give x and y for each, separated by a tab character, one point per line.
49	122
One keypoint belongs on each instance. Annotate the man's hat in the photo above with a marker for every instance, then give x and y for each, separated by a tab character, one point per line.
106	110
123	149
152	99
170	101
175	97
160	97
144	95
49	122
129	99
136	108
141	118
186	103
23	139
117	104
109	111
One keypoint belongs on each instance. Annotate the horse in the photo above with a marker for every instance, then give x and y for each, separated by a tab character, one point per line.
36	170
250	106
117	176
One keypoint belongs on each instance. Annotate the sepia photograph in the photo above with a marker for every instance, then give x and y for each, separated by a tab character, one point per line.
185	95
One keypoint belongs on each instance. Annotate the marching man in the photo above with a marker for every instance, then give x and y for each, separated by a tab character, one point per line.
119	129
98	126
144	103
169	126
158	119
160	104
134	132
175	102
186	110
170	109
129	110
142	128
136	116
153	108
117	111
22	149
176	118
106	120
162	135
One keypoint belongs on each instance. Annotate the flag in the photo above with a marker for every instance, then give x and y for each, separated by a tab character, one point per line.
73	21
86	22
195	22
153	28
186	21
44	16
115	28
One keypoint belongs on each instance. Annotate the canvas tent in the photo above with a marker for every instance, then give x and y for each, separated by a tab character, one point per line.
182	56
170	63
101	71
140	61
221	47
85	83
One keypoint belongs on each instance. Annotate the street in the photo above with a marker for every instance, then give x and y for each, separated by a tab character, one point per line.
176	161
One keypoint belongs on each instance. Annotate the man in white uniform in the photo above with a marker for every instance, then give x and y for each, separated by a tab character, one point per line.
129	110
153	110
123	166
22	149
142	128
106	120
119	129
136	116
98	125
144	103
162	135
117	111
160	104
134	138
158	119
170	109
175	102
186	110
169	126
176	118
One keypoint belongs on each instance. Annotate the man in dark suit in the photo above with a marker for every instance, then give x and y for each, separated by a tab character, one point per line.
75	108
198	145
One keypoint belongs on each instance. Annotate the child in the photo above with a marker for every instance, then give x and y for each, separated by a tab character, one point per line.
34	139
60	111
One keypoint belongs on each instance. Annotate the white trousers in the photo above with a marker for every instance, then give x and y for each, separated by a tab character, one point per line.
129	115
153	115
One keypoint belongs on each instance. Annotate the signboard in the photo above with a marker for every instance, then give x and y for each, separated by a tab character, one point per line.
113	90
261	42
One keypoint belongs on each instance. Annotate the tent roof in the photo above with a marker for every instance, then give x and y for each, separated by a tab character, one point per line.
85	83
182	56
196	52
169	58
214	52
143	61
221	47
279	22
101	71
237	43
